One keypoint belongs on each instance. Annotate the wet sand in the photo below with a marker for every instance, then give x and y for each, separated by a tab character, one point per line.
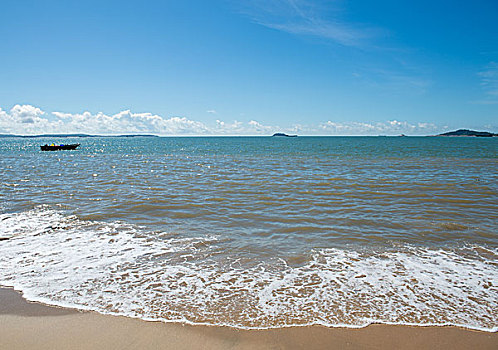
27	325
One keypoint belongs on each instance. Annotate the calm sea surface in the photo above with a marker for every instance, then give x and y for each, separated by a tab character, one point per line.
256	232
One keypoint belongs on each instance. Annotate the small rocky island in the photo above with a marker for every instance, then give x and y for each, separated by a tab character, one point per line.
281	134
466	132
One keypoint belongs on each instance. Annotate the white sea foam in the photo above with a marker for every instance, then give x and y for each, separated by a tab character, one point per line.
118	268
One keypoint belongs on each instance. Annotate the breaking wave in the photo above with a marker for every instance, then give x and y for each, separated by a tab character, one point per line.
119	268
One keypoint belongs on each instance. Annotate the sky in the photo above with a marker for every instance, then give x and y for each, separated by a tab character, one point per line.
255	67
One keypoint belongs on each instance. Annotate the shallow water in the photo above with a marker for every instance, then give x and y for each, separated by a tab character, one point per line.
257	232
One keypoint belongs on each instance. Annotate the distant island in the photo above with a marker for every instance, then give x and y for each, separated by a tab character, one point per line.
466	132
281	134
71	135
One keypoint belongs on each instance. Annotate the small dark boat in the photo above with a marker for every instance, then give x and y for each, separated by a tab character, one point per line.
53	147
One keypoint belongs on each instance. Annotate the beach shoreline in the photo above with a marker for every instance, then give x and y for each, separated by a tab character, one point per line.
29	325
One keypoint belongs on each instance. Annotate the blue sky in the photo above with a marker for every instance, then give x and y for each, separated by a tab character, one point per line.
226	67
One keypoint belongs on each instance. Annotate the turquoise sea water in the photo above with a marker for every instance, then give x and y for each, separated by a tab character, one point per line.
256	232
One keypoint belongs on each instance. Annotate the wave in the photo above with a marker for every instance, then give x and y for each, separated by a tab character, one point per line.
118	268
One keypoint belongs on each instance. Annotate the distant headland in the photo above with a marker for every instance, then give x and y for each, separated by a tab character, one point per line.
466	132
281	134
72	135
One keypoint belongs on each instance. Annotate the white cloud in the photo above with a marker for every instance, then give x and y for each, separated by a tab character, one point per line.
211	111
182	125
239	128
26	113
391	127
305	17
27	120
227	128
260	128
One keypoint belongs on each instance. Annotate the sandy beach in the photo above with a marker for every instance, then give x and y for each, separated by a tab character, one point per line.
27	325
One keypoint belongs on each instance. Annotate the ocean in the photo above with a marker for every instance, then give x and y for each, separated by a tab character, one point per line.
256	232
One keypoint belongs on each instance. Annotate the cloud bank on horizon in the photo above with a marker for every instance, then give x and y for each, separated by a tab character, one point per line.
31	120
